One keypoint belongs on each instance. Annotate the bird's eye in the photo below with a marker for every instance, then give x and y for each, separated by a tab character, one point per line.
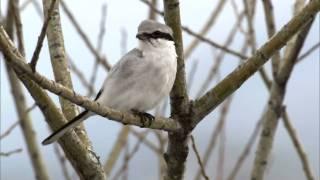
157	33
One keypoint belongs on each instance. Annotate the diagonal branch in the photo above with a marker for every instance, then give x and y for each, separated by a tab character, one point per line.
235	79
270	21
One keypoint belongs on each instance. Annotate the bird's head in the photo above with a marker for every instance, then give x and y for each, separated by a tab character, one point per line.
154	33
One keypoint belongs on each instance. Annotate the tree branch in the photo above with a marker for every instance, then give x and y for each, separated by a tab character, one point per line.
177	150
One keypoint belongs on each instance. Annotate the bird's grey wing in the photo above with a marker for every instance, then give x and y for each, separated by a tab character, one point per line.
122	79
127	65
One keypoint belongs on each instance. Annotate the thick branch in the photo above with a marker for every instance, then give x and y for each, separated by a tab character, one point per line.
235	79
269	16
59	63
177	150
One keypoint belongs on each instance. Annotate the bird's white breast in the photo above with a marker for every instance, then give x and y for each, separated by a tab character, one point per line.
142	79
162	59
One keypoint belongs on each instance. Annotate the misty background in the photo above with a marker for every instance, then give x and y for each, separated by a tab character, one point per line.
301	99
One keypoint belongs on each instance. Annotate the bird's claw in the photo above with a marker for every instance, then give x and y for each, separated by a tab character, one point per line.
146	118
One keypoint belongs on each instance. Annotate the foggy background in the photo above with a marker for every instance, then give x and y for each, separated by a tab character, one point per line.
301	99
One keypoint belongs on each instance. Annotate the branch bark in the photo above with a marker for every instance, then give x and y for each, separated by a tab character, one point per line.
177	150
59	64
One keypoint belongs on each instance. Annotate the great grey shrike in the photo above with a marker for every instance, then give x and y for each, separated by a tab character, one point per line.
140	80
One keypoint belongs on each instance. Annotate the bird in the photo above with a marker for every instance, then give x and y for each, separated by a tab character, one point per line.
140	80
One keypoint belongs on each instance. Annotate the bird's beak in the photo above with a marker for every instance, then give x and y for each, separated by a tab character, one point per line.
141	36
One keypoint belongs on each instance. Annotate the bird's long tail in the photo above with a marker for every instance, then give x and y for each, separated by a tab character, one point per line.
67	127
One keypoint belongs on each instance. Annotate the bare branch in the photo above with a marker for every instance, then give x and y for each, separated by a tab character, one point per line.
35	56
81	76
245	151
7	154
269	15
116	150
215	134
203	172
218	58
130	155
308	52
62	160
59	63
9	130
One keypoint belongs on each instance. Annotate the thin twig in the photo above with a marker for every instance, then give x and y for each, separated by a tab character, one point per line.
130	155
126	161
237	15
192	74
99	44
246	151
118	146
221	156
215	134
41	37
8	131
298	146
219	57
203	172
146	142
308	52
80	75
62	160
214	44
9	153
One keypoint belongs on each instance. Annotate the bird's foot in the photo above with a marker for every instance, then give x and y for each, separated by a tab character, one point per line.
146	118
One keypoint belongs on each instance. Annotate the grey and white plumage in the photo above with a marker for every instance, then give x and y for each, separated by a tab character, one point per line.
140	80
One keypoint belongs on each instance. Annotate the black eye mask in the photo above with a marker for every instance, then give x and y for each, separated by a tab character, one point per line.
158	35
